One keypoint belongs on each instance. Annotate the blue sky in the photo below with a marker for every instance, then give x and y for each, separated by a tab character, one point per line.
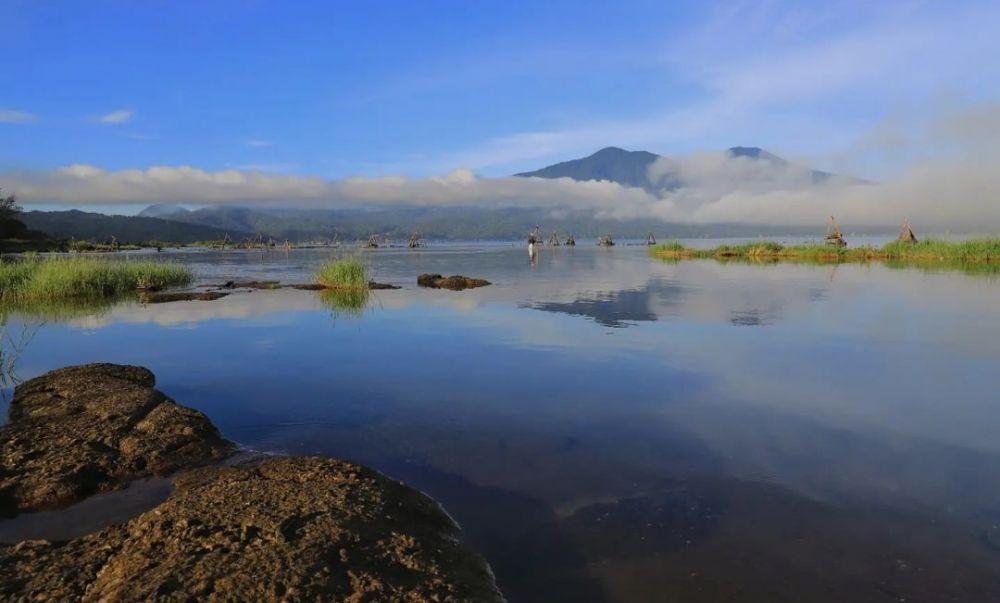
416	89
330	88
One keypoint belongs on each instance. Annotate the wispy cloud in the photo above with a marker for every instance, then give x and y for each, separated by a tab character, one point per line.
118	117
11	116
766	73
259	143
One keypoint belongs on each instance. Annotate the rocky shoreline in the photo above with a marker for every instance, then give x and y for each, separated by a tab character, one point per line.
283	528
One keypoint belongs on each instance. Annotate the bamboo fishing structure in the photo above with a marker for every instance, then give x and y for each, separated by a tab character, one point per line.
833	234
906	235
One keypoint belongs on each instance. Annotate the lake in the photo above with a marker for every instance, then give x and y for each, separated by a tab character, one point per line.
609	427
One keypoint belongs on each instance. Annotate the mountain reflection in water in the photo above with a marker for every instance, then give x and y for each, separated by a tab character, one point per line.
843	448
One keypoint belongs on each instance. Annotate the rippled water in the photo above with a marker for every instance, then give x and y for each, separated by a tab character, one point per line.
607	427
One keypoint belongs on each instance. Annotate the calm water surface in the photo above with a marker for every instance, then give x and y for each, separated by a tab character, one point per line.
607	427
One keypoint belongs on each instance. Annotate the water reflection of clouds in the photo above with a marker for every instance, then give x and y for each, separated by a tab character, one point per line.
859	328
845	401
236	306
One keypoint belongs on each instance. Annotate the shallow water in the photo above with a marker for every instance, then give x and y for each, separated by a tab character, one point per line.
607	427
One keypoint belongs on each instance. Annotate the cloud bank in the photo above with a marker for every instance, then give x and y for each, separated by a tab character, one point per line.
958	187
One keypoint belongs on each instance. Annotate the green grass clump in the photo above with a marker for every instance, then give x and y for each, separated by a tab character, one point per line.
751	250
972	250
962	254
343	273
667	247
59	278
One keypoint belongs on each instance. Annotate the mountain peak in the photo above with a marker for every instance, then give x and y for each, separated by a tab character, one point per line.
615	164
753	153
631	168
611	151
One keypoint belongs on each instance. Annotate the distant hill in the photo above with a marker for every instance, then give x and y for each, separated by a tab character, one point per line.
435	223
461	223
163	210
631	168
77	224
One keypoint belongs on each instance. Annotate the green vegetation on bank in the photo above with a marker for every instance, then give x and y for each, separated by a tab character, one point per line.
36	279
343	273
930	251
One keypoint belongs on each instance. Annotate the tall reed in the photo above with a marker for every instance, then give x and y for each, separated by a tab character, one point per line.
343	273
54	278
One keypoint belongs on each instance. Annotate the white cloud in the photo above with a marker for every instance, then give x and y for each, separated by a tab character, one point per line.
120	116
11	116
957	187
258	143
81	183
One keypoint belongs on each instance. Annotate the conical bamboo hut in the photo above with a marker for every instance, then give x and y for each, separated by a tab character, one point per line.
554	239
571	241
650	239
415	240
606	241
906	234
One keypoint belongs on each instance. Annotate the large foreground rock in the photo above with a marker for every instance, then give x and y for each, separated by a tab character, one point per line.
286	529
85	429
280	529
455	282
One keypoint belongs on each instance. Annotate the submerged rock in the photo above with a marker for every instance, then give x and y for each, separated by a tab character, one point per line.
455	283
373	285
287	528
250	285
319	287
85	429
162	298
